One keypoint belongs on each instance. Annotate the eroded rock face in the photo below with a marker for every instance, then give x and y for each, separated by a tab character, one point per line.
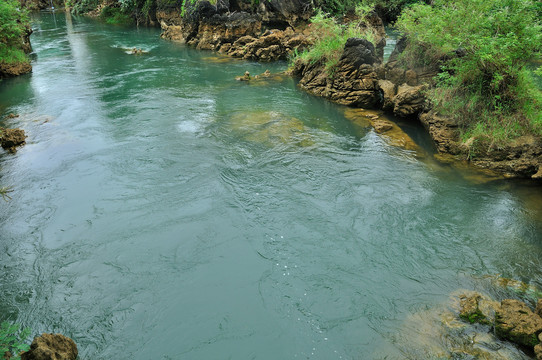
476	308
409	101
516	322
521	158
219	27
11	138
9	70
443	131
354	82
51	347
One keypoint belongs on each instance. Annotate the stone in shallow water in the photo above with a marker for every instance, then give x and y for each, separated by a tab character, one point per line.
11	138
51	347
271	128
516	322
476	308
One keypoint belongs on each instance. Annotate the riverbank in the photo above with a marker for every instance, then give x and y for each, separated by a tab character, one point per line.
149	180
14	40
360	79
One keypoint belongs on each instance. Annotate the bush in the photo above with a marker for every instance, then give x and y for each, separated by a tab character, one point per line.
12	339
483	48
115	15
12	28
331	37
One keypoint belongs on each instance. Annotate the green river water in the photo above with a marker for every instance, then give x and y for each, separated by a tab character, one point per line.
163	210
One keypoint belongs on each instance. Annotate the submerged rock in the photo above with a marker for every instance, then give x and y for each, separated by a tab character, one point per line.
476	308
11	138
51	347
516	322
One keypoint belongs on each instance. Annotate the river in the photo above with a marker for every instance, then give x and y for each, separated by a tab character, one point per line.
163	210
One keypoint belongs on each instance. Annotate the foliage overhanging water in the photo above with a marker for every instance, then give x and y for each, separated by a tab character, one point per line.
164	210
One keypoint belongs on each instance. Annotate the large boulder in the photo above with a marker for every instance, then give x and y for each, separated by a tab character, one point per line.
358	51
516	322
388	92
409	101
286	12
51	347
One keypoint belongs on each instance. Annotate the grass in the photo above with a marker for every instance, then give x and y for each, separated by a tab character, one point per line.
12	55
115	16
489	90
330	38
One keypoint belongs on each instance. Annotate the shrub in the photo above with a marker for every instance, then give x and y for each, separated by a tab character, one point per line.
483	47
330	38
12	28
12	339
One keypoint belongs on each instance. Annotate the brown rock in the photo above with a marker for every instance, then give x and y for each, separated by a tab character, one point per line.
51	347
516	322
409	101
11	138
388	90
411	77
381	126
476	308
538	310
538	352
8	70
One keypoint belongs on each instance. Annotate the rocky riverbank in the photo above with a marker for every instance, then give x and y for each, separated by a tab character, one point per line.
274	30
267	32
361	80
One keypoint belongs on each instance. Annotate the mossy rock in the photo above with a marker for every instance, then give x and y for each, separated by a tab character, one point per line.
516	322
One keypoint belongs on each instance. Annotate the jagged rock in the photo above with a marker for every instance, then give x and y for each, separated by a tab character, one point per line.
16	69
11	138
516	322
388	92
443	131
285	11
476	308
51	347
409	101
358	52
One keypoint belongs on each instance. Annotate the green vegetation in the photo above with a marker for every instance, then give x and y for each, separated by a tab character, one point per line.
482	48
12	339
115	15
330	38
475	317
12	28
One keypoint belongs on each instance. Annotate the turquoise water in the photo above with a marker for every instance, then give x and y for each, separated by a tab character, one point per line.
163	210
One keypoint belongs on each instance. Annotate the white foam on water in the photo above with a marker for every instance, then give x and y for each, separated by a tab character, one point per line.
190	126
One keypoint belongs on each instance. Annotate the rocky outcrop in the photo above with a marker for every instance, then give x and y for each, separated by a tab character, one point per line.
354	82
521	158
51	347
270	46
10	139
409	101
14	69
516	322
359	80
476	308
511	320
241	29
